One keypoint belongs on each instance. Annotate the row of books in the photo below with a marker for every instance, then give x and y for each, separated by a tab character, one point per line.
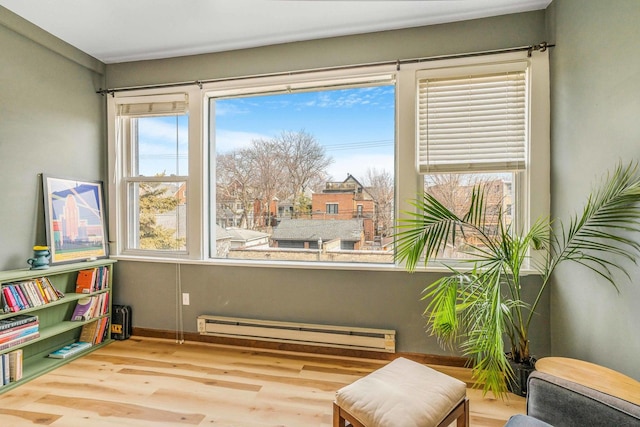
69	350
95	332
92	333
10	367
31	293
91	307
92	280
18	330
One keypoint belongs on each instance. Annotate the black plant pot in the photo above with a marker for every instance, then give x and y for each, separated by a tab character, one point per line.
521	372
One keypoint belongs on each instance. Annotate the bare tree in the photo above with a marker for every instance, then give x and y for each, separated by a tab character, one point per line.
268	170
281	167
235	184
455	192
305	161
379	184
450	190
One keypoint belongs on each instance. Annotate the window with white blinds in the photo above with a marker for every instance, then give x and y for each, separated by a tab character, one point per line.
473	120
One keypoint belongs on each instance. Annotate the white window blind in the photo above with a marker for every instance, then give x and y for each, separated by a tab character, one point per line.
167	105
473	123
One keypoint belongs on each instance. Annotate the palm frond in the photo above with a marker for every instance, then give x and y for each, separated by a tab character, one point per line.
425	232
442	310
610	215
476	213
476	308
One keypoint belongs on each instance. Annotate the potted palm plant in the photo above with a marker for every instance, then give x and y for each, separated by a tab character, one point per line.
478	306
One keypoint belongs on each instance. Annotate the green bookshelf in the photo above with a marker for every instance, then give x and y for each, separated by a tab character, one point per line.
56	330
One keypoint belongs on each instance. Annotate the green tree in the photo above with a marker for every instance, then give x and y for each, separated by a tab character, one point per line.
154	199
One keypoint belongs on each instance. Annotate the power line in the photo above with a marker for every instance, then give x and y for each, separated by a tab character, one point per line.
358	145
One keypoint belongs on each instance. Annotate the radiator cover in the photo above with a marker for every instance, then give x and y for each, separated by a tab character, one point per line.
383	340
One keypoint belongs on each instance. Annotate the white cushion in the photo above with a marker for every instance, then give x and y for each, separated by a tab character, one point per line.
402	393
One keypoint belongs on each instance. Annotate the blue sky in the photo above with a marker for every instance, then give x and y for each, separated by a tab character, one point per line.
356	126
159	139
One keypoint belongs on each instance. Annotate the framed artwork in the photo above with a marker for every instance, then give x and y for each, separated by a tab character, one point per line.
74	216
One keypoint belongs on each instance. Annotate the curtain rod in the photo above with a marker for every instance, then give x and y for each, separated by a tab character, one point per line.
537	47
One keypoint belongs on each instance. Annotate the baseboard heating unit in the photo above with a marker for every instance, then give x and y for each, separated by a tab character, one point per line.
299	333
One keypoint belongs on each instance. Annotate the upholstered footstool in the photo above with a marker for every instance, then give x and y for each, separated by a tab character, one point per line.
402	394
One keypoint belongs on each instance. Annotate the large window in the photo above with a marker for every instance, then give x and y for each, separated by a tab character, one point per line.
305	175
315	166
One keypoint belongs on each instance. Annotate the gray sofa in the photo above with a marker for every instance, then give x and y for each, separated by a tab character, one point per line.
560	403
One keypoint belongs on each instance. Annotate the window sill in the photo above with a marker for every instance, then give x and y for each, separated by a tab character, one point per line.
292	265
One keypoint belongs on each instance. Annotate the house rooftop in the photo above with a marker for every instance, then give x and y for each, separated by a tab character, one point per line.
314	229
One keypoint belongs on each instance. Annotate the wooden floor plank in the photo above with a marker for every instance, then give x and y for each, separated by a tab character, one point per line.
158	382
20	416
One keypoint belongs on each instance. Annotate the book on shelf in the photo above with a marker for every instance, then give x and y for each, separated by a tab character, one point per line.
6	304
102	306
30	293
89	331
31	297
17	320
18	332
6	377
102	331
15	365
40	291
30	287
92	280
85	281
11	367
24	301
15	298
53	294
84	309
25	295
70	350
20	340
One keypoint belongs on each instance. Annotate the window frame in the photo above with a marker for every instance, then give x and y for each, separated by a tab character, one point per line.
532	192
331	208
314	80
407	181
121	156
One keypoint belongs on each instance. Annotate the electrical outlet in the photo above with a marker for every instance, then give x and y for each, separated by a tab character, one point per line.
185	299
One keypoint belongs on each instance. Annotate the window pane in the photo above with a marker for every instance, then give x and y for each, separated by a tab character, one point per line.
454	192
332	208
306	176
158	215
161	145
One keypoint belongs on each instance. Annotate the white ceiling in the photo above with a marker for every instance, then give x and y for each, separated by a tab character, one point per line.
128	30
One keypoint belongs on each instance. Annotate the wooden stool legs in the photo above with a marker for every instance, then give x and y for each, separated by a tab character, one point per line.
460	414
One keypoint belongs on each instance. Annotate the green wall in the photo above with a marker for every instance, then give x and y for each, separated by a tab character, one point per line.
595	74
384	299
51	121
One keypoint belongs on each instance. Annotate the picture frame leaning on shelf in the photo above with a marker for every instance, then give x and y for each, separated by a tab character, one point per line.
74	219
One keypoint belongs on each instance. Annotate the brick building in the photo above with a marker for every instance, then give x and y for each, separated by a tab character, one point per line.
345	200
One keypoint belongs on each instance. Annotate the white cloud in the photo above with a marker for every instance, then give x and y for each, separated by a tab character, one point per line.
227	141
161	132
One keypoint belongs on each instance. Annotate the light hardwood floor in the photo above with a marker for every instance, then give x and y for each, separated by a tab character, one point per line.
156	382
